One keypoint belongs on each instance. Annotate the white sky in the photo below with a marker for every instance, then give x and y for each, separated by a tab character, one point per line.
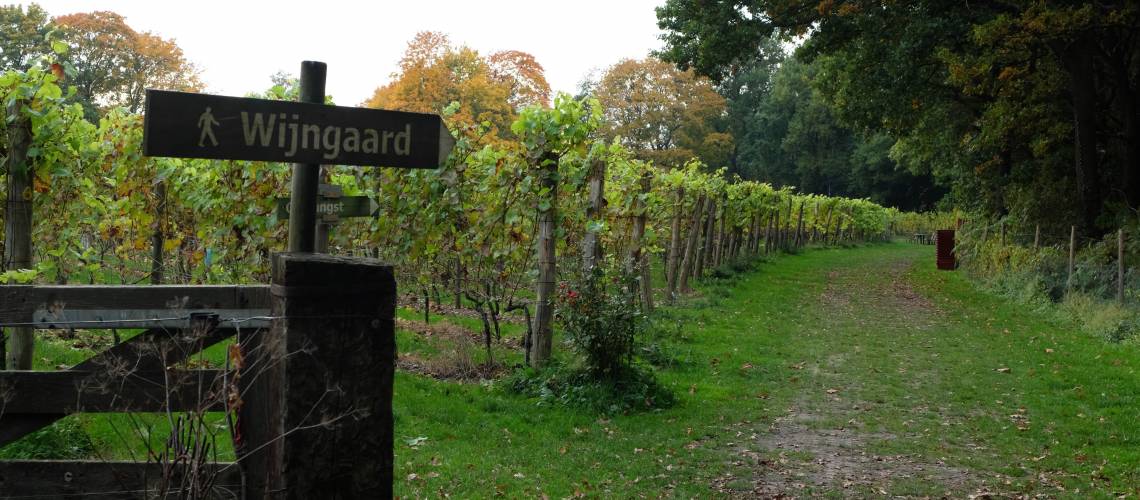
238	44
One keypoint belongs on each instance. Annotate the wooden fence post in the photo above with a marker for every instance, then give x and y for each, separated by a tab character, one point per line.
320	421
543	330
1072	254
1120	265
18	225
1036	237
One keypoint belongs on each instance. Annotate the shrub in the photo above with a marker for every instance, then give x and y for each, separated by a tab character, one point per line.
576	387
602	324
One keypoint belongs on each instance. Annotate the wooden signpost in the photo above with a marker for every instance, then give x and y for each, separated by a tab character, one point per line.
333	317
308	133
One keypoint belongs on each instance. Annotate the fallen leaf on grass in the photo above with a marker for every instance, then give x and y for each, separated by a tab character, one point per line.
832	391
1004	370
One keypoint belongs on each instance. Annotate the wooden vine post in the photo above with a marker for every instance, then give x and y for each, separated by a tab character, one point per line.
158	239
718	250
1120	265
543	333
591	246
705	253
687	263
673	260
800	226
1072	255
18	225
638	262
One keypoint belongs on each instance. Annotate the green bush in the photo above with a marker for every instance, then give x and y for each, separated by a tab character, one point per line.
558	384
601	323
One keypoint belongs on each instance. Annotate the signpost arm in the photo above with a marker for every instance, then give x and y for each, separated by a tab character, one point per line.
306	177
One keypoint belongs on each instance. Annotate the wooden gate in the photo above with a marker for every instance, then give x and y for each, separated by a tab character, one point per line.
307	387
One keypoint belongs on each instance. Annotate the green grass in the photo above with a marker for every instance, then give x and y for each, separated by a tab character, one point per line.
924	384
912	353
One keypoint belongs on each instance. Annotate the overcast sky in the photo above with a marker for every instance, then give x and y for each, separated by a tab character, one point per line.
238	44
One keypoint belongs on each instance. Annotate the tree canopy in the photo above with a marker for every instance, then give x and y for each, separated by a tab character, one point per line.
1017	105
664	114
435	73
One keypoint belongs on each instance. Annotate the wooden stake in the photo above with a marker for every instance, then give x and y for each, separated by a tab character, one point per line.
1072	254
1036	237
638	262
541	344
591	245
674	256
158	239
691	245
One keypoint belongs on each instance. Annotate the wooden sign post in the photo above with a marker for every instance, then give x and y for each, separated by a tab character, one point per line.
307	133
333	317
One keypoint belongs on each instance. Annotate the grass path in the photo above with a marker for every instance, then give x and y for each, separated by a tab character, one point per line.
845	373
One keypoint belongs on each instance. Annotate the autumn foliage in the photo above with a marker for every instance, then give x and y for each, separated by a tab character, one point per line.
435	73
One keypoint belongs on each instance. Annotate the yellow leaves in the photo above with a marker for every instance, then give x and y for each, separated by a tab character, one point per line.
171	244
434	73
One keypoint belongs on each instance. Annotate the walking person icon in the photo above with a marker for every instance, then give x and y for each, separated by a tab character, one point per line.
206	122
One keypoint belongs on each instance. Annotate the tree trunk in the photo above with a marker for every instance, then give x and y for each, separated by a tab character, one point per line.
1077	60
544	297
18	225
687	263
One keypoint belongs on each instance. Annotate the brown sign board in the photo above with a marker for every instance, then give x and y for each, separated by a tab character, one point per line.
190	125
